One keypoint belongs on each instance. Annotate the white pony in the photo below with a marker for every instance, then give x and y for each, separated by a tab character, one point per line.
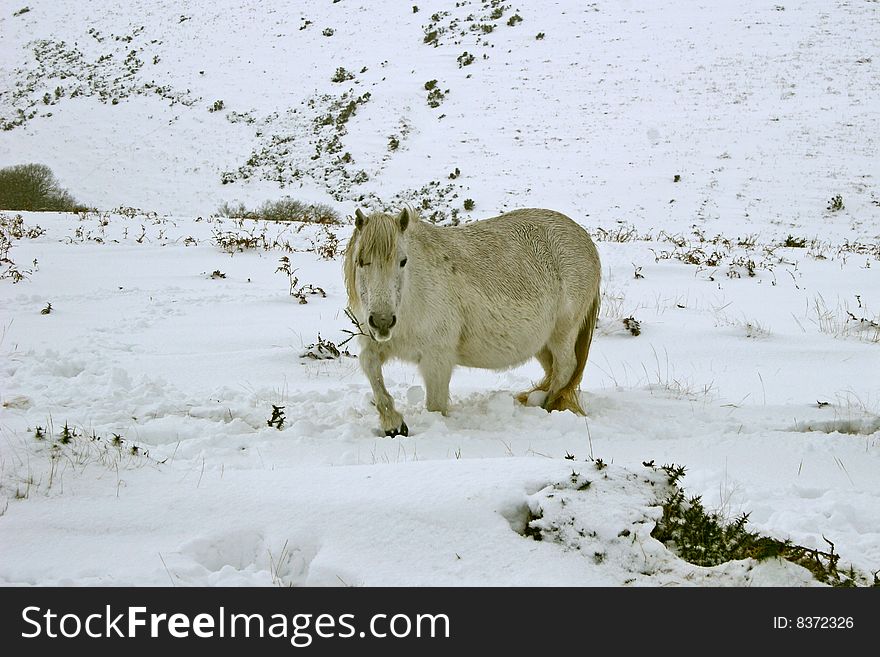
488	294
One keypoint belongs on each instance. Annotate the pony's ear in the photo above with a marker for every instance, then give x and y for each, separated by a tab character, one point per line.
403	219
359	219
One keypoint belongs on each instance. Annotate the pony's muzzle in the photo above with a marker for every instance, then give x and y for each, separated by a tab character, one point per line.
382	323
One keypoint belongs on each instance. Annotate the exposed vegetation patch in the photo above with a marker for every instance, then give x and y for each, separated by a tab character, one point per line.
744	257
622	233
239	241
297	291
435	95
325	350
341	75
124	224
70	448
277	418
470	23
792	242
433	30
12	229
632	325
241	234
57	70
846	320
433	200
307	144
284	211
241	117
465	59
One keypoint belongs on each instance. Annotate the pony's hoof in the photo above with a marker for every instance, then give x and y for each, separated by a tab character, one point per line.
535	397
402	430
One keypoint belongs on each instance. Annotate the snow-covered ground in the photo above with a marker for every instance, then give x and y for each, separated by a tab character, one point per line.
702	147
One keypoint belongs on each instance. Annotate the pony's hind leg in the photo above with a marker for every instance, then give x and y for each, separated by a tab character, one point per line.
546	359
562	394
389	419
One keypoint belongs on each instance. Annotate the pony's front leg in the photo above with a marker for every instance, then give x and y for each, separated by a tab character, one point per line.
436	371
389	419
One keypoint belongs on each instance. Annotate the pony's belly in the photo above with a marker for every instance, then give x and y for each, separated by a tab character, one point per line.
506	338
500	355
503	362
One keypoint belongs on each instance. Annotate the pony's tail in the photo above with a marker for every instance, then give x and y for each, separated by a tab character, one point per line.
567	398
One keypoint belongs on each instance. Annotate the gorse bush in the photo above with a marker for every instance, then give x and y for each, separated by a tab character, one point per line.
341	75
285	209
34	187
704	538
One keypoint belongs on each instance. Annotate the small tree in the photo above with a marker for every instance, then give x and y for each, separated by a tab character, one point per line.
34	187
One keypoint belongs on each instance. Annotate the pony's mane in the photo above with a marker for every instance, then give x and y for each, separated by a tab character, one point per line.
378	238
375	241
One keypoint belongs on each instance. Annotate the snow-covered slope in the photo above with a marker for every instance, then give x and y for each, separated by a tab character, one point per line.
763	110
701	145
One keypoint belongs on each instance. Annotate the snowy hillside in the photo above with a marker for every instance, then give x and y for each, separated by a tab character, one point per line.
702	146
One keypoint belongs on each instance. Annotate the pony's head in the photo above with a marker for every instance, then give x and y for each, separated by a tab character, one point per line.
375	270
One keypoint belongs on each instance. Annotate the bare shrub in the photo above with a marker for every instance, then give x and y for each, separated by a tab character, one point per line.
285	209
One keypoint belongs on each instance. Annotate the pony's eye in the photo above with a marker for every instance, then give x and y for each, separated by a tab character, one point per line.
361	263
403	263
